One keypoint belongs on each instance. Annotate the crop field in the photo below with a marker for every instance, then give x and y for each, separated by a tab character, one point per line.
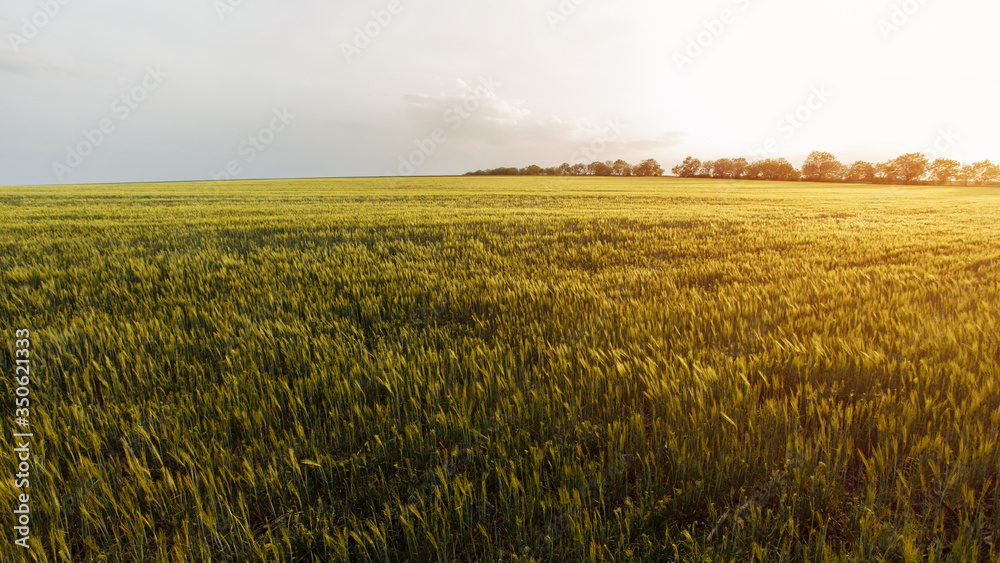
504	369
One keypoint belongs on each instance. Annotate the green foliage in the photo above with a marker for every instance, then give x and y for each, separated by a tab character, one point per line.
499	369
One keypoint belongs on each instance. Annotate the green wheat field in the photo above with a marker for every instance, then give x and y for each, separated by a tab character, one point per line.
504	369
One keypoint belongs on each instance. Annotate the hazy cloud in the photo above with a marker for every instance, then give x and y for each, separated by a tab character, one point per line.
556	87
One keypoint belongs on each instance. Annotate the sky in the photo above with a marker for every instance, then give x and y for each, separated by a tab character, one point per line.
122	91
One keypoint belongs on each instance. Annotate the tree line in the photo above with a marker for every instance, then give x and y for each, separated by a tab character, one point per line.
648	167
911	168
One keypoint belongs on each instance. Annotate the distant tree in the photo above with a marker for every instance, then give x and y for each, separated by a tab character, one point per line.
564	169
985	172
885	172
578	169
688	169
599	169
648	167
621	168
822	167
772	169
723	168
504	171
785	171
838	173
532	170
861	172
739	168
754	170
706	169
944	170
966	174
991	174
910	167
550	171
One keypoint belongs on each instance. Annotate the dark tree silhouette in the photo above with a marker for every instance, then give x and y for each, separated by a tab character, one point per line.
861	172
910	167
648	167
944	170
688	169
822	167
621	168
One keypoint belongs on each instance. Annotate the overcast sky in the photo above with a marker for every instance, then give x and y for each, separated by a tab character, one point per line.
115	91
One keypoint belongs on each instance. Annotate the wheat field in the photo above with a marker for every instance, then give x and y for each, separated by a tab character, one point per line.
505	369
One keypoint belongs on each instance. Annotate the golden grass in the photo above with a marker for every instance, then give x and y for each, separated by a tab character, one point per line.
517	369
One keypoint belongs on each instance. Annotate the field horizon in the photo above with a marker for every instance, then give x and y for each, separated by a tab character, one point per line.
402	179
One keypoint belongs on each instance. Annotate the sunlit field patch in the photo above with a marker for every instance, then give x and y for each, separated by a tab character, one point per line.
507	369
